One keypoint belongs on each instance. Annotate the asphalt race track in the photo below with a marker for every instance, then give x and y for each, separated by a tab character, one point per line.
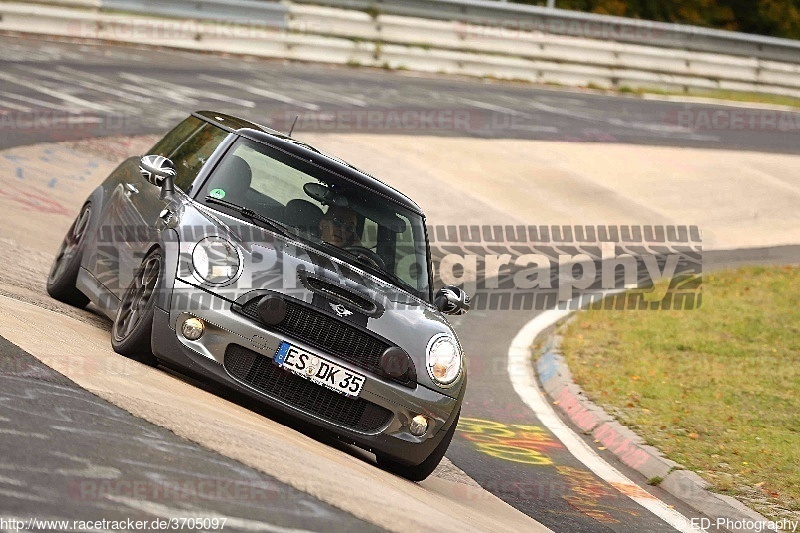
63	449
114	90
58	441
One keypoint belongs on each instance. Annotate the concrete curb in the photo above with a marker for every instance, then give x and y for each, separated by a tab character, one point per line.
555	379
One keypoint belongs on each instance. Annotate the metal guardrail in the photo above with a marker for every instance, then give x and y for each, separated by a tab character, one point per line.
87	4
504	16
465	48
253	12
335	35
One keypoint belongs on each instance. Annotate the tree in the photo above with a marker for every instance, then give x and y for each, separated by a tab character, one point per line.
779	18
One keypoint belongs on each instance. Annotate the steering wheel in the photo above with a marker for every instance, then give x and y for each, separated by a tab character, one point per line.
365	255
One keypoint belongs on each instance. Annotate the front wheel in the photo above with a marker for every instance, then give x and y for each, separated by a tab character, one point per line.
64	272
133	327
426	467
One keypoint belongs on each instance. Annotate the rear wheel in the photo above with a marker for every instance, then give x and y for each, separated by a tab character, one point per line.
426	467
133	327
64	271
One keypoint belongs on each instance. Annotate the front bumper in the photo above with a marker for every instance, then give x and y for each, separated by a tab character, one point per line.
231	336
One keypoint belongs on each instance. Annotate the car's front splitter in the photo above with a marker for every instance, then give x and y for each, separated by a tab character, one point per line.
225	328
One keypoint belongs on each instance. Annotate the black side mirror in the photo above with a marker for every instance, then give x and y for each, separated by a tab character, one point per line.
451	300
159	171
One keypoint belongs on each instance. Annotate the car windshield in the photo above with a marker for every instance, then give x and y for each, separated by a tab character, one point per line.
325	210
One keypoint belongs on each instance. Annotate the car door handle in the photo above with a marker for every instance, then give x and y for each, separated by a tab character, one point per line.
130	188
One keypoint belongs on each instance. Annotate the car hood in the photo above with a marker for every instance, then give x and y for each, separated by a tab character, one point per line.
272	262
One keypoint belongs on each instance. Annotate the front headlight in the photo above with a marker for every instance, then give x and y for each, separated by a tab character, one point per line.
215	260
443	359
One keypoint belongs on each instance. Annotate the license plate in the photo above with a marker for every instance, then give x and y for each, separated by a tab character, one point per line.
318	370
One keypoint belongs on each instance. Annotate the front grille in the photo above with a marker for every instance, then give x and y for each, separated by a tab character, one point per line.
262	374
329	335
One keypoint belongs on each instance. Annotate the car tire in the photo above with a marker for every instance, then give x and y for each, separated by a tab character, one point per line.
133	327
63	274
425	468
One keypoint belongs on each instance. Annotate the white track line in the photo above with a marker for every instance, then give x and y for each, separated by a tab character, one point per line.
495	108
142	86
358	102
187	91
37	102
74	78
188	512
261	92
520	372
15	107
35	85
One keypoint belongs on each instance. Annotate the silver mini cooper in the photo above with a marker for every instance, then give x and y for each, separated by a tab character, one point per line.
251	259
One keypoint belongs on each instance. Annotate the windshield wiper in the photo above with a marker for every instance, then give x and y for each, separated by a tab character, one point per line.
283	229
389	276
397	280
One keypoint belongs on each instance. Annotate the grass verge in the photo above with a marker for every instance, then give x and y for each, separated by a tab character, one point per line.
716	389
735	96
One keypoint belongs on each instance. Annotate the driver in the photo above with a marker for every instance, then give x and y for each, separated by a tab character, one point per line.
338	227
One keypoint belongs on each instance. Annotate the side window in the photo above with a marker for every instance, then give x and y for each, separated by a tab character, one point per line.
369	236
172	140
189	146
193	153
273	179
407	255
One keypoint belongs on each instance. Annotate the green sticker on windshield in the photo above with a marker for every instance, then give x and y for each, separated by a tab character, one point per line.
217	193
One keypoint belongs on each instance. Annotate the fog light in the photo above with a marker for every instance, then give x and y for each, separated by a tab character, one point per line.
419	425
193	329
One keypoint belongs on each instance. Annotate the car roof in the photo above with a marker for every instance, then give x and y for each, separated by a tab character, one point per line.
266	135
